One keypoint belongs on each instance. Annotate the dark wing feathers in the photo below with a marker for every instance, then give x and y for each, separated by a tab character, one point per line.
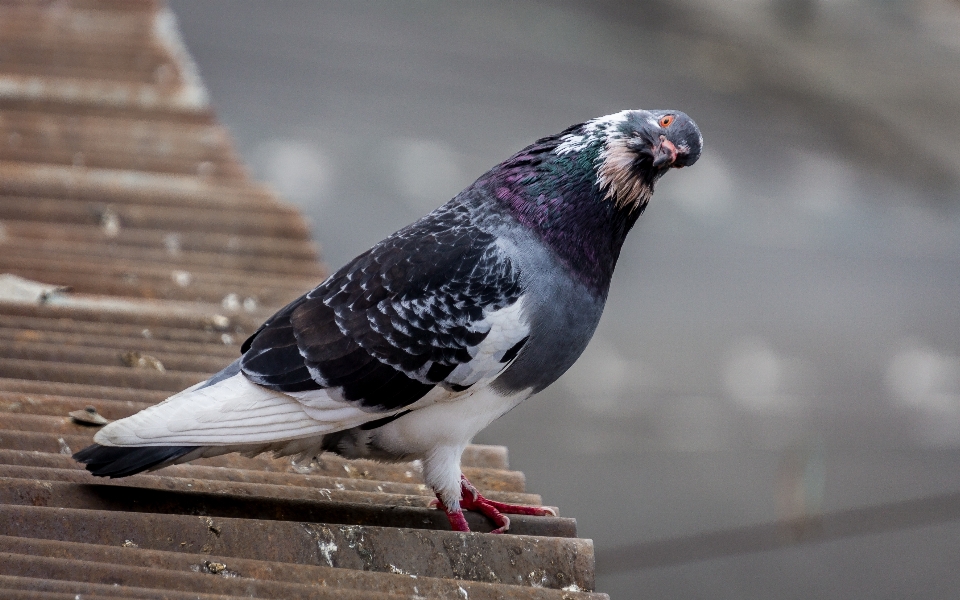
281	315
112	461
394	322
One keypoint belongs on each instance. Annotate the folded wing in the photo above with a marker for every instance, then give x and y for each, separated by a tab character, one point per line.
437	306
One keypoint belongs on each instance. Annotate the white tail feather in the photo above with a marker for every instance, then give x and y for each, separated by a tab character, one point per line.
232	412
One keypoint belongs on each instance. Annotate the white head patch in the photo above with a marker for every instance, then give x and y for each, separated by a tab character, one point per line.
577	142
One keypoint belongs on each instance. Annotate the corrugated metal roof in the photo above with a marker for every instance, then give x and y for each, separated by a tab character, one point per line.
116	181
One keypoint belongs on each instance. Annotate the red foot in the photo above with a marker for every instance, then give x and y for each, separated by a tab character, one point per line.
470	499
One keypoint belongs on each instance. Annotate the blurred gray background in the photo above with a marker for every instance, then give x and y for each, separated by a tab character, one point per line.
782	337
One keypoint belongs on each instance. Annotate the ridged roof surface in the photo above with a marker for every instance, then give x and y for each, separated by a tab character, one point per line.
117	182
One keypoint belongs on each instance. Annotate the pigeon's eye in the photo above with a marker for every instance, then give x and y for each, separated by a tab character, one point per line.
666	121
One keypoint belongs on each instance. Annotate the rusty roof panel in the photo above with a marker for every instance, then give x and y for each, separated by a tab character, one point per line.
100	142
138	576
245	482
128	54
264	221
117	182
103	392
341	482
180	321
178	495
20	325
550	562
174	243
295	573
81	182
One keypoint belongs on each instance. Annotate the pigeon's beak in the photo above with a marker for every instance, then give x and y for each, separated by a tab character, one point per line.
664	153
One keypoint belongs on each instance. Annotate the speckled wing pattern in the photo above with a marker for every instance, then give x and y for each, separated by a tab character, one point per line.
396	321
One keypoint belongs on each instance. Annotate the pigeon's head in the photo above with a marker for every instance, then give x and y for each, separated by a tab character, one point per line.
665	138
632	149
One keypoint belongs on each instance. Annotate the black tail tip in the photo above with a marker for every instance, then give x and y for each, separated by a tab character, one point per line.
119	461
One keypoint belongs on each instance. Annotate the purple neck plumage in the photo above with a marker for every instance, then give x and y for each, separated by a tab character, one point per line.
557	196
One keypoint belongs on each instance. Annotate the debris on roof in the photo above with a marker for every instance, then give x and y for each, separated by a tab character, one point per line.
18	289
137	254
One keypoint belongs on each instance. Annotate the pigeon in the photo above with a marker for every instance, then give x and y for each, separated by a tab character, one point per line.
416	345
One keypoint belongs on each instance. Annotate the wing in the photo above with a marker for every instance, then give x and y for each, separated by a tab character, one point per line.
437	303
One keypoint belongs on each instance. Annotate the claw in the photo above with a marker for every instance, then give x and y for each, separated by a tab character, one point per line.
520	509
471	499
466	486
503	528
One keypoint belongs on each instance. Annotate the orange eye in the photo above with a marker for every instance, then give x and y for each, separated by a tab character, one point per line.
666	121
